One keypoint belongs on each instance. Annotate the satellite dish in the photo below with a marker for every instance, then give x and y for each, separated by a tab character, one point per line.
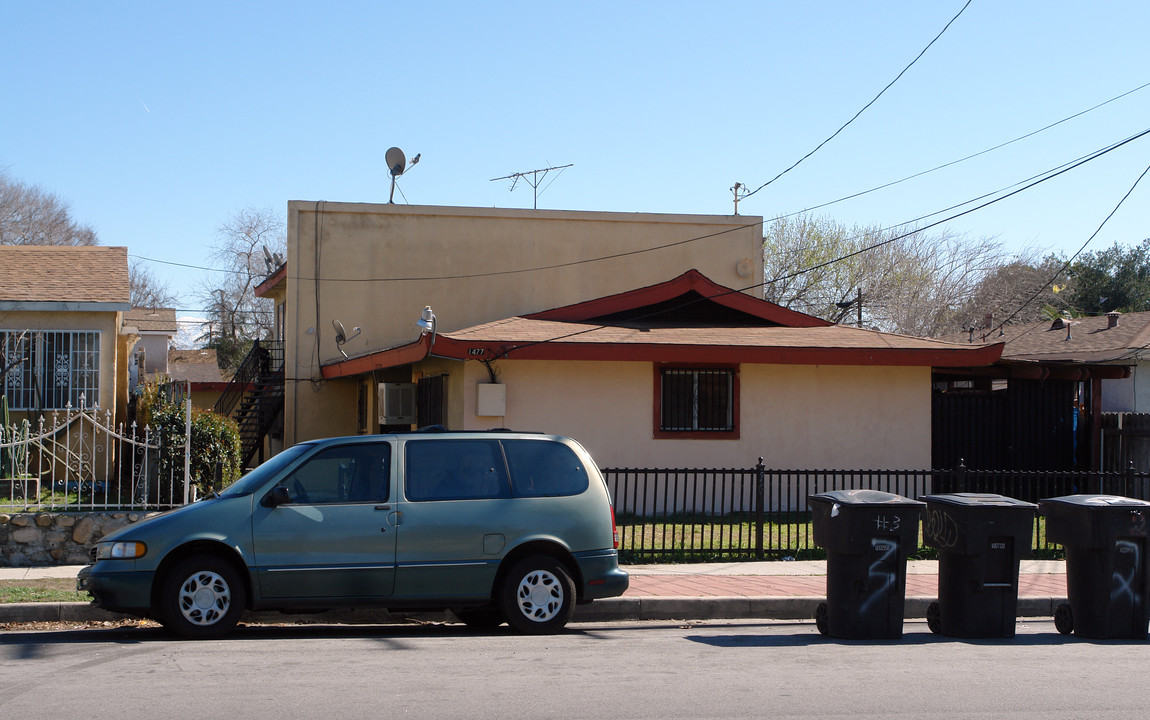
396	161
341	336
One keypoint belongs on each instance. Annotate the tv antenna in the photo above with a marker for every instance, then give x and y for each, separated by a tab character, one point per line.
396	164
533	182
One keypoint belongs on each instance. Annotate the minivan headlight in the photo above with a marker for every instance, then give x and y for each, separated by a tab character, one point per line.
120	550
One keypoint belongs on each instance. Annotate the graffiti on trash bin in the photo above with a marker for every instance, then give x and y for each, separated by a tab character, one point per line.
940	528
888	524
882	574
1124	586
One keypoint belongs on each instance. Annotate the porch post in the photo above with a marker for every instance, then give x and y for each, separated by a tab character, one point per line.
1096	422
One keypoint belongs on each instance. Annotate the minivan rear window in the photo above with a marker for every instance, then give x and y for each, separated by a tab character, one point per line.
541	468
454	470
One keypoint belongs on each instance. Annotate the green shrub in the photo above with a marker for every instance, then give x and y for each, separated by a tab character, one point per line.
215	439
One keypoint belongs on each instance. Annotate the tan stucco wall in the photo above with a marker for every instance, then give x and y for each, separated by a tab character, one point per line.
107	323
794	416
381	264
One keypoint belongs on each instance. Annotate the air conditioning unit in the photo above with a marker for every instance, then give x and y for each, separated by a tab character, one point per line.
397	403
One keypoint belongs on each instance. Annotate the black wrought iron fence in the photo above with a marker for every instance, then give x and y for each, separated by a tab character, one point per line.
685	514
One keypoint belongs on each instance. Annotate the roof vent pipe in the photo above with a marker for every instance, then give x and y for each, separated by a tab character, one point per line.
1112	318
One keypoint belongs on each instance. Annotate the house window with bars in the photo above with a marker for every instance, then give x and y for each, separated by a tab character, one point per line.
50	369
697	402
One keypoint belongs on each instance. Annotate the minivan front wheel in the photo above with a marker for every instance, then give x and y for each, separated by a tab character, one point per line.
538	596
202	597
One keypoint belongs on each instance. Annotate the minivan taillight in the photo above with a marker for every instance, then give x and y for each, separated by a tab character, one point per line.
614	529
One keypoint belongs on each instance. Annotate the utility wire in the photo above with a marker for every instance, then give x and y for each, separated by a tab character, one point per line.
503	352
778	217
963	159
1072	257
860	112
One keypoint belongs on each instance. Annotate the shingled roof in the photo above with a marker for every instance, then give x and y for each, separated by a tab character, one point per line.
686	319
34	277
1102	339
152	320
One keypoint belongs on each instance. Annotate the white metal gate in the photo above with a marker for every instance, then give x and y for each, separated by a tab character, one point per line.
77	460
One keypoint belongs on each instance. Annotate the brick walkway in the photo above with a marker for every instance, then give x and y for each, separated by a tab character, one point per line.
1044	579
1048	585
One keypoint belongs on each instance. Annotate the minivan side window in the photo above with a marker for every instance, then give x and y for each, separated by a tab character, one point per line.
454	470
342	474
544	469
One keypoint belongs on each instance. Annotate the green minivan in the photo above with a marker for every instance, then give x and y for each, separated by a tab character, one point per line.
496	526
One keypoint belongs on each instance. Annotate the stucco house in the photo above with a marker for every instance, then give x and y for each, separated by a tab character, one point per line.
644	336
370	269
61	329
685	373
155	329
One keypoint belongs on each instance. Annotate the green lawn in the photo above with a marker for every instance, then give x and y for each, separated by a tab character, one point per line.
702	539
41	590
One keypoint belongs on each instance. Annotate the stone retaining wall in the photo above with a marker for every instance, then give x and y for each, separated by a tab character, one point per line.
57	538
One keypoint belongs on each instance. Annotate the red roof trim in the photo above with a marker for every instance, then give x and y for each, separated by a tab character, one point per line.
447	347
392	357
690	280
941	357
272	280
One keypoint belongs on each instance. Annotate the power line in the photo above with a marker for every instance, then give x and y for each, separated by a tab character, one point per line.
1071	259
688	303
807	209
860	112
964	159
1040	178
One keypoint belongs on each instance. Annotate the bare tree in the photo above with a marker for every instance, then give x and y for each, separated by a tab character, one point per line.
237	316
1022	291
145	289
911	283
32	216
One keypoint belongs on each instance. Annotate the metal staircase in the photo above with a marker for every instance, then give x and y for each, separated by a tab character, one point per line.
255	396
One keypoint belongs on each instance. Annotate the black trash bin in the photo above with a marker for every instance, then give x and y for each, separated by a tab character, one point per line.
867	535
1107	582
981	538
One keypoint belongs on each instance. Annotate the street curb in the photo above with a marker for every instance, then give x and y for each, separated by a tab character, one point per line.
611	609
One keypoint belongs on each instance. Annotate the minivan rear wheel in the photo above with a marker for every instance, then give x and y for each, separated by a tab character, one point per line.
202	597
538	596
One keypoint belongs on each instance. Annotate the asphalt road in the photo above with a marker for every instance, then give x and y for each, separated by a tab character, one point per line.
608	670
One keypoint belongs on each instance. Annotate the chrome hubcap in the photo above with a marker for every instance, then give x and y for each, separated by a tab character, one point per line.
204	598
540	595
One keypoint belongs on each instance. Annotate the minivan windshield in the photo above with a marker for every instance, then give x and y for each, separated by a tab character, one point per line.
259	475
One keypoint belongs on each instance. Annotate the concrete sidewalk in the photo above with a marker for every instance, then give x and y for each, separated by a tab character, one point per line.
766	590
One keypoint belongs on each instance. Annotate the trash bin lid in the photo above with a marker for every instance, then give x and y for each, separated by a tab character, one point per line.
864	497
1097	501
978	500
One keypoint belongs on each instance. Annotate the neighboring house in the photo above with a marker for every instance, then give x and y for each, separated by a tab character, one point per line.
373	268
1113	340
156	328
1040	407
201	370
683	373
61	319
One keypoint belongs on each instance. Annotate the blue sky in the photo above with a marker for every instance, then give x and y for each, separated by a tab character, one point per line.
156	121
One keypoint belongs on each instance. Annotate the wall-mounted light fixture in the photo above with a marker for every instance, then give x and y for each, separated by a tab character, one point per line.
426	323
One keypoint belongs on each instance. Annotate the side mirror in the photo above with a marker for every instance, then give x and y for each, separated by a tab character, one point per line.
278	496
